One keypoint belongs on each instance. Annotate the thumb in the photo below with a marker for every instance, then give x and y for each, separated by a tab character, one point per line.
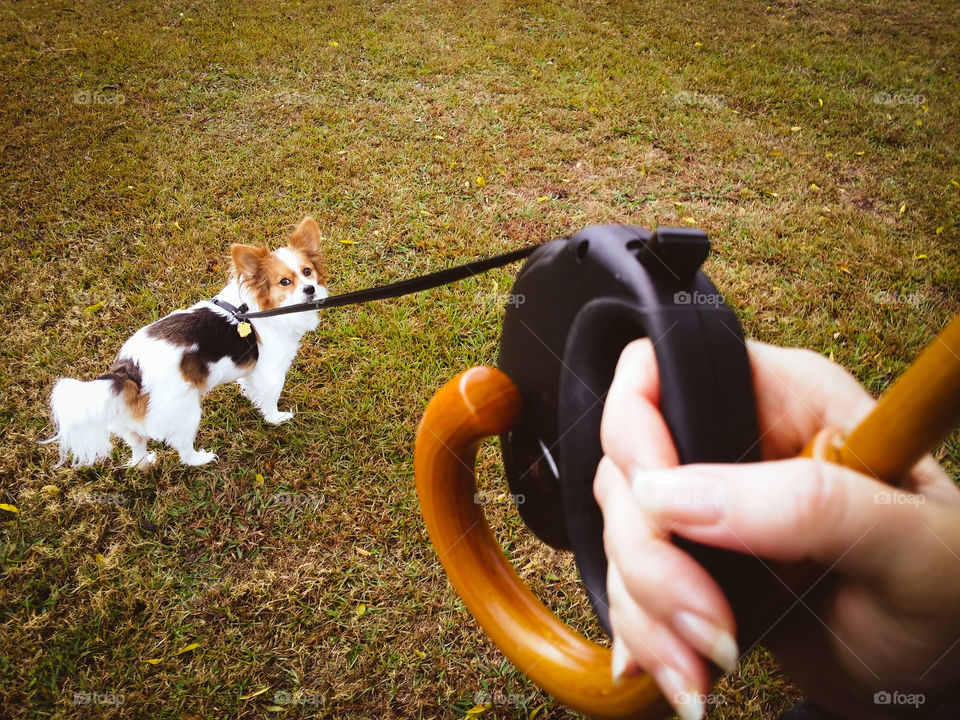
788	510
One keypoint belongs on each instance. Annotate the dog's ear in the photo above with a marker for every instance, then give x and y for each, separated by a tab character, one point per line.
306	239
247	260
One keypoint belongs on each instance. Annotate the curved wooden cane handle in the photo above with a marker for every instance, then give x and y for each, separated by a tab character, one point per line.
476	404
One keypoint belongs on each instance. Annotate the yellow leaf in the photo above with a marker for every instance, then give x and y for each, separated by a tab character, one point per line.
831	354
820	100
438	137
538	708
843	268
543	198
796	128
698	44
776	153
940	229
420	653
814	186
361	609
93	308
154	661
188	648
361	551
954	182
8	508
334	43
919	123
678	204
177	226
593	110
49	489
479	709
259	479
920	257
480	181
690	221
100	559
861	152
348	242
902	208
533	71
261	691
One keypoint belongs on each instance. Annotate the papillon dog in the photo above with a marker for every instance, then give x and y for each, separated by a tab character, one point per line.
154	388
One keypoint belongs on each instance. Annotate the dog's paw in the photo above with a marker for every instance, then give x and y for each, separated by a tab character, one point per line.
275	418
198	457
145	462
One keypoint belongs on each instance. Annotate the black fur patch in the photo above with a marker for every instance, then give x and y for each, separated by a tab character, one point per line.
213	334
123	370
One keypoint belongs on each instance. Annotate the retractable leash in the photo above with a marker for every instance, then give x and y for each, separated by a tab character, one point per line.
584	298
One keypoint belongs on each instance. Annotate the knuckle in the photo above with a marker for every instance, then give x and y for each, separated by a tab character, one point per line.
821	502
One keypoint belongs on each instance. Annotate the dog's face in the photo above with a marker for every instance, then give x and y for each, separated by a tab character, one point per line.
286	276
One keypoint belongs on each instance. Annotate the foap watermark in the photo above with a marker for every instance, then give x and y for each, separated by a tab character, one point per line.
283	697
89	498
697	298
98	97
501	699
895	697
887	297
295	98
889	497
97	698
298	500
686	97
501	499
898	98
688	698
499	299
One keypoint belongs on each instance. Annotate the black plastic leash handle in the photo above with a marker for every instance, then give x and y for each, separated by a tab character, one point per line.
585	298
401	287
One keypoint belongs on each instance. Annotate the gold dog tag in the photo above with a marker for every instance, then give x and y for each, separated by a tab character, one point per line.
244	329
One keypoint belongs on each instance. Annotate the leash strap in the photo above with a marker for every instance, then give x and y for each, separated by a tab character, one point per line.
396	289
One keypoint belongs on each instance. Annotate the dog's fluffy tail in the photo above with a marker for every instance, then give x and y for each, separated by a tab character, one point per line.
83	413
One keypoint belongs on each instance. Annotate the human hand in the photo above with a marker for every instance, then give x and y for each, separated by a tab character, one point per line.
888	620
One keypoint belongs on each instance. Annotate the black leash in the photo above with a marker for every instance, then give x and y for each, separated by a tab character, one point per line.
392	290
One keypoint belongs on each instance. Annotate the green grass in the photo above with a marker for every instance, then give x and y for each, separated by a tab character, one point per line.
834	221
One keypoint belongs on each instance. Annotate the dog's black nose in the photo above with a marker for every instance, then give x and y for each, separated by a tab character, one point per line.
309	289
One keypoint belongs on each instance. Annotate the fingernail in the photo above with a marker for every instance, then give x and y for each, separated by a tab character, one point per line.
678	495
619	657
710	640
687	702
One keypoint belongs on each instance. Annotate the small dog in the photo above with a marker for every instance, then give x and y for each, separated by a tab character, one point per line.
154	388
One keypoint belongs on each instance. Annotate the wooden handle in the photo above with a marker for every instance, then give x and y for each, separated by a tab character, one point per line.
474	405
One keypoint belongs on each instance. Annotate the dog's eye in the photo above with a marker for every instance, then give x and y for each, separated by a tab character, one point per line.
285	281
306	272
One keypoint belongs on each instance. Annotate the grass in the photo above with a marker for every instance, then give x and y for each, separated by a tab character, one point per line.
140	139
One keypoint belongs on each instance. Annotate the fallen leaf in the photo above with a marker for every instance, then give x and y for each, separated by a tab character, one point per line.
940	229
552	577
154	661
796	128
49	489
334	43
361	551
188	648
419	653
348	242
954	182
820	100
902	208
842	267
93	308
920	257
361	609
261	691
8	508
273	708
814	186
698	44
538	708
690	221
479	709
259	479
542	198
480	181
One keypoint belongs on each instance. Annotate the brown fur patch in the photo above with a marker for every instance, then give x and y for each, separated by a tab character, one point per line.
194	370
260	271
305	242
126	380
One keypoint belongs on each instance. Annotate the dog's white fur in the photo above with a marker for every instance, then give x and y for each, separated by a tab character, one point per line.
86	414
